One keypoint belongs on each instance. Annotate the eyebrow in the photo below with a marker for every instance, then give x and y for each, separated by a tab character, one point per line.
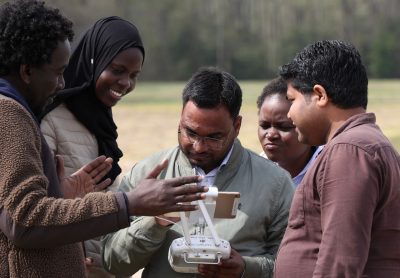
208	135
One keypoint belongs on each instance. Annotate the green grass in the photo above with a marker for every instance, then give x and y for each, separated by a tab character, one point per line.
148	117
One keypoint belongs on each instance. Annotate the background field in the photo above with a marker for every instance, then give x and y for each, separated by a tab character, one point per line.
147	119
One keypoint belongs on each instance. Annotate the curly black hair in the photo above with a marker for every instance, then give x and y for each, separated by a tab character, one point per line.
29	34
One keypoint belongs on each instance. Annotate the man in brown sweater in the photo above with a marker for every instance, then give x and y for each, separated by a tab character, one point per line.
39	229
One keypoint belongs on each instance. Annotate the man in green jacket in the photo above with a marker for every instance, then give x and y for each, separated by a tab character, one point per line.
209	125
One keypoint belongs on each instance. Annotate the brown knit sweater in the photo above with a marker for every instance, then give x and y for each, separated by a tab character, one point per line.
39	230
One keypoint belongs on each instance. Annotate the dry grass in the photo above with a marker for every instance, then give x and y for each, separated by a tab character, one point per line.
147	119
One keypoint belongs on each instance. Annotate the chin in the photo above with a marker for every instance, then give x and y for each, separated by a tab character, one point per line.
272	157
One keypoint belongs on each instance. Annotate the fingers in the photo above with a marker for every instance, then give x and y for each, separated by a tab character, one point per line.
60	167
183	207
92	165
185	180
97	168
189	197
88	262
98	173
190	192
208	270
157	170
103	185
97	165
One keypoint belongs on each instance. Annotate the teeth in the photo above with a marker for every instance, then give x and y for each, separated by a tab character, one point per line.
117	94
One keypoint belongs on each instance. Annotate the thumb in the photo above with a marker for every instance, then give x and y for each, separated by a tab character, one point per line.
157	170
60	167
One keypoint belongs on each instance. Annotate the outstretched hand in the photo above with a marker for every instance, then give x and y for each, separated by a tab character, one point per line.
154	197
86	179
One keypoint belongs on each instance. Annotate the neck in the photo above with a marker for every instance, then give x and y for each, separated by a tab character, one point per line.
295	166
16	82
338	116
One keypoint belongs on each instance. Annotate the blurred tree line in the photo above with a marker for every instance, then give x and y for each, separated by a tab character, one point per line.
249	38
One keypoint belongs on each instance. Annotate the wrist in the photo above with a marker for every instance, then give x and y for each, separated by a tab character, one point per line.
130	203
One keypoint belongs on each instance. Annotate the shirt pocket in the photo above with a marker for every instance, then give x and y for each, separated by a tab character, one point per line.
296	215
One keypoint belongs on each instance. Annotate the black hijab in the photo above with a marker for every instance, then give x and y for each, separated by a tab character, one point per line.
94	52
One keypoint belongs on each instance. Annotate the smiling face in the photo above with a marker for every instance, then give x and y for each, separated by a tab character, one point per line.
119	77
213	123
277	133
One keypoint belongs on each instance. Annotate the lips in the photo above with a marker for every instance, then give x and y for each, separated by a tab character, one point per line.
271	146
198	157
117	94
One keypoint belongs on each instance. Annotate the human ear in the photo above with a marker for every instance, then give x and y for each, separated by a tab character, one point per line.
322	97
237	124
25	73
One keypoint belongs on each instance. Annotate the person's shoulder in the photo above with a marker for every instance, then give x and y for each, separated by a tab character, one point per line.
366	138
59	112
269	174
18	121
149	162
143	167
160	155
362	132
14	112
260	160
265	166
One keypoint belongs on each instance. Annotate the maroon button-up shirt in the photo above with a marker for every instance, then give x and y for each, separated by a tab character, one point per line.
345	216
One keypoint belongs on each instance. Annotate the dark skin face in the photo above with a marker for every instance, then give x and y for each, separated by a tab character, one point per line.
214	123
120	76
44	81
308	115
278	136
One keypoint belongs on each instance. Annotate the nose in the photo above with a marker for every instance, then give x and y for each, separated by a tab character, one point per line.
199	145
288	115
60	83
272	133
126	83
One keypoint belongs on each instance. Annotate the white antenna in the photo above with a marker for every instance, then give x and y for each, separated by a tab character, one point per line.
185	253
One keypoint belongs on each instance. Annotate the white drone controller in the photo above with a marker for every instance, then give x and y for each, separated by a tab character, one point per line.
187	252
202	250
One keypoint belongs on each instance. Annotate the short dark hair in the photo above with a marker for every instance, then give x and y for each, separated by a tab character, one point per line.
336	66
210	87
29	34
276	86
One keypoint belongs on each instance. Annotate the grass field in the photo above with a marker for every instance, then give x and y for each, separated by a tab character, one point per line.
147	119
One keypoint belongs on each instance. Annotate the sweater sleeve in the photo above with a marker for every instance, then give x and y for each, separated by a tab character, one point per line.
130	249
263	266
28	217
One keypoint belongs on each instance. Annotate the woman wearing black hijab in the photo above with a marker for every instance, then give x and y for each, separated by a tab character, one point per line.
78	125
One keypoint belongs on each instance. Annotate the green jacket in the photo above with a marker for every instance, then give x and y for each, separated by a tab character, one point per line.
256	232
